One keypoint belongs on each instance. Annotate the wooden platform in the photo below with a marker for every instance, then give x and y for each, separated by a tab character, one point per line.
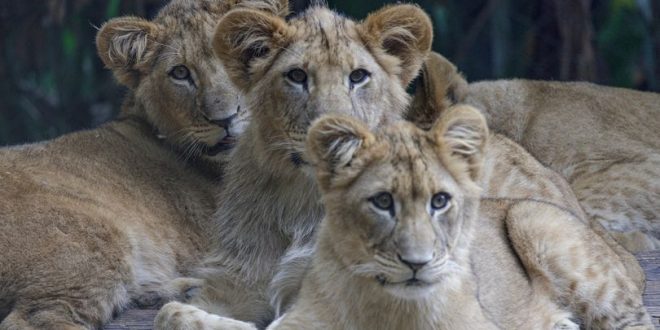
143	319
134	319
650	261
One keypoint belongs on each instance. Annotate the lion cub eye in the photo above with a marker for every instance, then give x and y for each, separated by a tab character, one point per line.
180	72
383	201
297	76
440	201
358	77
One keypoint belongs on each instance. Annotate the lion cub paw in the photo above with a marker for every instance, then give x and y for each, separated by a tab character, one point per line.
178	316
566	324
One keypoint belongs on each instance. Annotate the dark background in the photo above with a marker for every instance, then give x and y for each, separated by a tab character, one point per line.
51	81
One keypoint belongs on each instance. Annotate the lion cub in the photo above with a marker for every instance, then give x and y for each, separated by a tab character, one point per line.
401	209
415	237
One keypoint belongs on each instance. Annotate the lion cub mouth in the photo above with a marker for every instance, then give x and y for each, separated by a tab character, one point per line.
410	282
415	282
227	143
411	288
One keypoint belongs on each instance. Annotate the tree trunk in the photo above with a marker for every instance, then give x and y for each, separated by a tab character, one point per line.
576	57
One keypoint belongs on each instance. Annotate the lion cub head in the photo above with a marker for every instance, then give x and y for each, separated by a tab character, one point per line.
399	202
320	62
177	83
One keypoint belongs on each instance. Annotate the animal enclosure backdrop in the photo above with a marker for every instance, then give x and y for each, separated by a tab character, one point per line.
51	81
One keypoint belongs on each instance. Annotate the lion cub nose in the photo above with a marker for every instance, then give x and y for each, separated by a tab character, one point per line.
414	262
225	122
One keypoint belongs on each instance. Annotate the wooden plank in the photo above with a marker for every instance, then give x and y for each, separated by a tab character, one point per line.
650	262
135	319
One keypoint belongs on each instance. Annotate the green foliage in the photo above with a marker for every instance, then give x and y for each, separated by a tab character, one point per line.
113	9
69	43
52	81
620	41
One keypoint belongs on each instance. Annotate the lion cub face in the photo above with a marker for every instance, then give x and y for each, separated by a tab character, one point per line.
397	201
170	67
321	62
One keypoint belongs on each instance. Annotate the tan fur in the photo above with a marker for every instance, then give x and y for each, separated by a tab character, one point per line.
441	80
270	201
524	259
535	209
95	221
358	260
142	55
605	141
528	214
359	249
432	99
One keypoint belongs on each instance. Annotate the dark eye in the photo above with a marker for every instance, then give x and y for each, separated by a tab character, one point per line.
358	76
439	201
383	201
297	76
180	72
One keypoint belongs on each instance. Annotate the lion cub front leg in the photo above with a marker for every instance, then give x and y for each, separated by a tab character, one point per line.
178	316
575	266
156	293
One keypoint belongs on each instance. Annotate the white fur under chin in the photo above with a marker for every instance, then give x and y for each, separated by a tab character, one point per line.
409	292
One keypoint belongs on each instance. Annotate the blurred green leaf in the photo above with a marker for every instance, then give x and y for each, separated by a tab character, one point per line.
441	27
621	39
69	43
113	9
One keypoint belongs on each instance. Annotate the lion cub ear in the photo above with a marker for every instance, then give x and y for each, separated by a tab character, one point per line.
127	46
403	31
463	135
246	41
333	142
439	87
